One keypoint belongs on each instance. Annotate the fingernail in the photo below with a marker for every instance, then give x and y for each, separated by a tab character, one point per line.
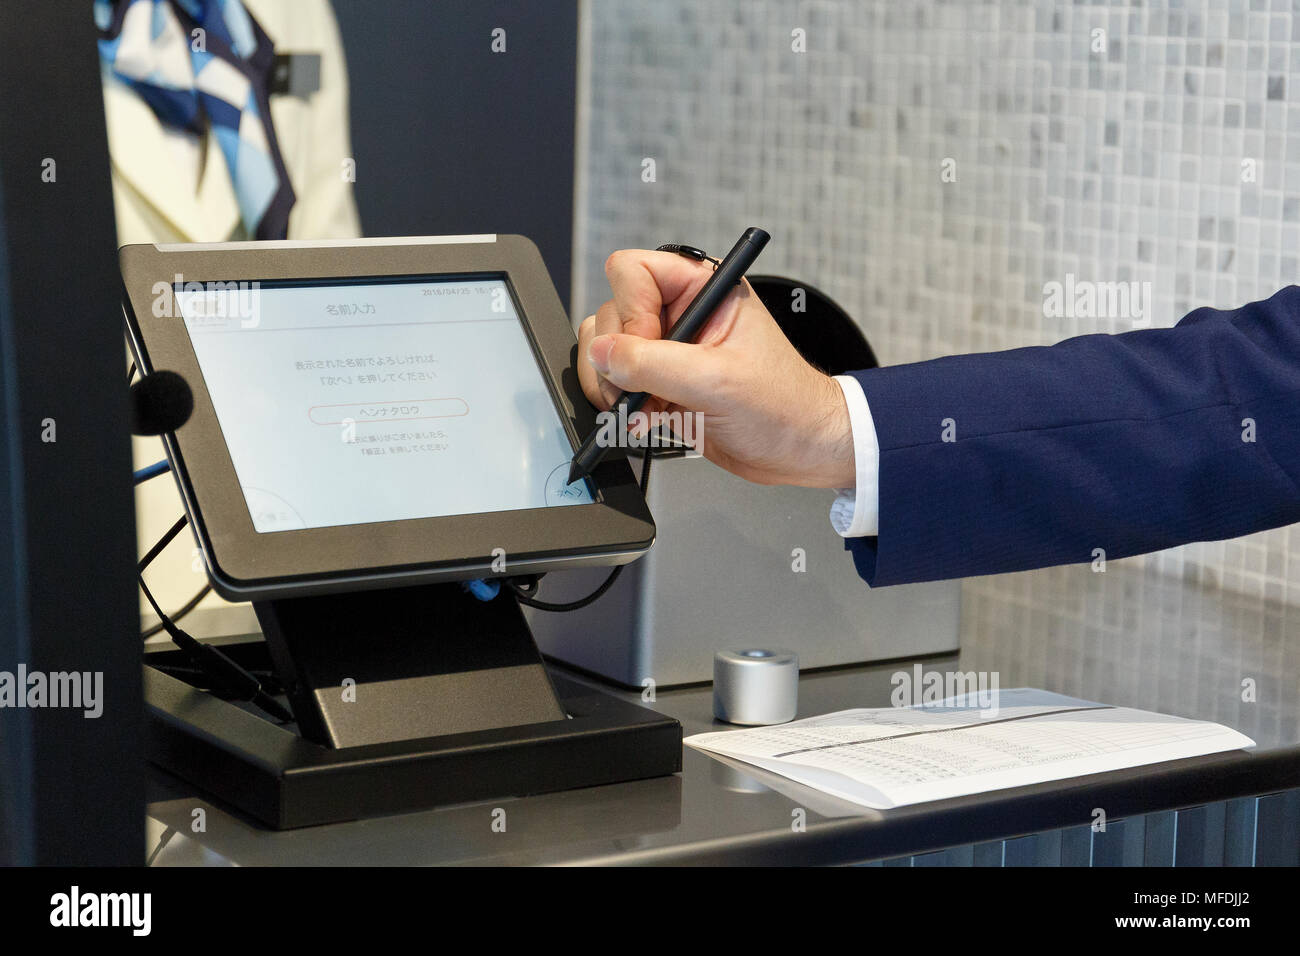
598	353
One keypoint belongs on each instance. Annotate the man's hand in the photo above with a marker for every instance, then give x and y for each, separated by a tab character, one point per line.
770	417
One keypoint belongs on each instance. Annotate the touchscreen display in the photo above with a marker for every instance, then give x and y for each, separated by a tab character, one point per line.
347	404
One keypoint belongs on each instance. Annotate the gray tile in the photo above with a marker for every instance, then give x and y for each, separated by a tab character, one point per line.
1172	157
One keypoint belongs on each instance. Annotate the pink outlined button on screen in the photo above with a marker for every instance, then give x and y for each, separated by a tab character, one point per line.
405	410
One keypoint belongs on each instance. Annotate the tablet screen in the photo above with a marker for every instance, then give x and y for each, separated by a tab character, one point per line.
359	402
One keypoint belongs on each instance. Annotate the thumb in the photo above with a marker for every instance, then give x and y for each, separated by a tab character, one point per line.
678	372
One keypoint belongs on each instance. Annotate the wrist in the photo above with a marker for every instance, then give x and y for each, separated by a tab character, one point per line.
830	458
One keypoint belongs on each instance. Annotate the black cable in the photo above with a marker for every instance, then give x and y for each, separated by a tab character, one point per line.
524	593
690	252
217	666
162	844
224	673
165	540
221	670
179	613
521	593
196	676
189	605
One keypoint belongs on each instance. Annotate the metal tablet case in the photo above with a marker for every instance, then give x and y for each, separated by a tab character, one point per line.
244	564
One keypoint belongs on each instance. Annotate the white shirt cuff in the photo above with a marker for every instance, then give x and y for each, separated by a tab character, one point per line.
855	513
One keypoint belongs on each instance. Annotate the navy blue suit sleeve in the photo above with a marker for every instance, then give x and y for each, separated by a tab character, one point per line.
1128	443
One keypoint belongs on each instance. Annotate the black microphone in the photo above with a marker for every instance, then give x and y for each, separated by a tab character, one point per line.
160	402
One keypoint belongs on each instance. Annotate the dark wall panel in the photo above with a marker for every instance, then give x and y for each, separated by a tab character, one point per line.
71	787
450	137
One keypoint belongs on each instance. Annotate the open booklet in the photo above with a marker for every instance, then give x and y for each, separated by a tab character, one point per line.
892	756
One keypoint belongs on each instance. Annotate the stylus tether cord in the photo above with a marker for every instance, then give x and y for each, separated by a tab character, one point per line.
690	252
524	590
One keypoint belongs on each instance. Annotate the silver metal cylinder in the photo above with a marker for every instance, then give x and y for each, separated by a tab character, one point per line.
755	686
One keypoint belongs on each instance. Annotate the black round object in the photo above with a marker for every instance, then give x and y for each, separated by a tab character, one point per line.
160	402
822	333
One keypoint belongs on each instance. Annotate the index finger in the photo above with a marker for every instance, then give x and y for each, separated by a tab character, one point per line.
645	283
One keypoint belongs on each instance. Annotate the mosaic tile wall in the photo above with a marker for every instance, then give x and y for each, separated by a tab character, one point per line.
932	165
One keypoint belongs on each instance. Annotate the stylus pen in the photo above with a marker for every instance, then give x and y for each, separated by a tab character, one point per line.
729	271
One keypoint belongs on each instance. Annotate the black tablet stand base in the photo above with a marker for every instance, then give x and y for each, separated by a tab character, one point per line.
405	699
